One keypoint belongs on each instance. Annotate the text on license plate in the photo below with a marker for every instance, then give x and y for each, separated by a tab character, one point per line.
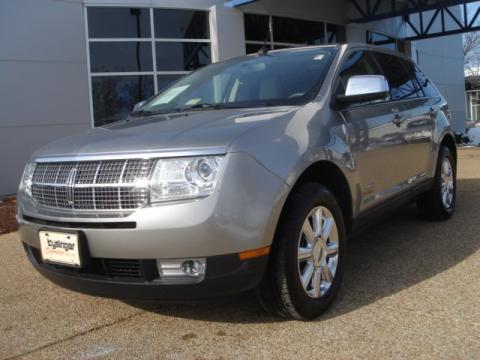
61	248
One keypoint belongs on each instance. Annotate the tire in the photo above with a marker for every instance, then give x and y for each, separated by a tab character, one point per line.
281	291
432	204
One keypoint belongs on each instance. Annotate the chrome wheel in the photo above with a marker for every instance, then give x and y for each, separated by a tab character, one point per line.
318	247
447	184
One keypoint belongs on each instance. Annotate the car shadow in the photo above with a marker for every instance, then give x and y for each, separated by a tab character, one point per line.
397	253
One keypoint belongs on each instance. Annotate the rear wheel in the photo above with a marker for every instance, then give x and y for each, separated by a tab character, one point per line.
439	202
306	265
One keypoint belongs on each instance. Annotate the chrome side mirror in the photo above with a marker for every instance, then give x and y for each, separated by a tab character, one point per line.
366	84
364	88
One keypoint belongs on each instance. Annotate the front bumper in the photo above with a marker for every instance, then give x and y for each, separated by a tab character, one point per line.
226	275
240	215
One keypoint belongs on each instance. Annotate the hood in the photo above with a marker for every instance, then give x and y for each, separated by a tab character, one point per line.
182	132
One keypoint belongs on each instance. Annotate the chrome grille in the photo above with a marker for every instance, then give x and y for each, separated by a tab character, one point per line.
92	185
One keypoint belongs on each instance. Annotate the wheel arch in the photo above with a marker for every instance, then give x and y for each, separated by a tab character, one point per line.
448	140
330	175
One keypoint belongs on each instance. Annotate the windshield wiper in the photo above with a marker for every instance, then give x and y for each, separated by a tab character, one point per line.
202	106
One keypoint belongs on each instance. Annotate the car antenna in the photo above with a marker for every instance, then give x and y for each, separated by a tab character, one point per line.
264	49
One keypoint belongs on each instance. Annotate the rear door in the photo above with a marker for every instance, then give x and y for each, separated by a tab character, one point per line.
376	143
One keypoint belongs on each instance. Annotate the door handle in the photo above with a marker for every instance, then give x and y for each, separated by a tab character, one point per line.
398	120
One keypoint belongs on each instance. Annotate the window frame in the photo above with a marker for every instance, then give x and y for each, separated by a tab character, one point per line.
155	73
336	81
402	59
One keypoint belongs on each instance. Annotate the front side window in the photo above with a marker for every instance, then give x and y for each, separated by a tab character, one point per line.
284	78
400	76
425	84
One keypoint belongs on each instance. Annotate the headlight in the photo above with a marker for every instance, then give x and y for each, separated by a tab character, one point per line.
184	178
26	182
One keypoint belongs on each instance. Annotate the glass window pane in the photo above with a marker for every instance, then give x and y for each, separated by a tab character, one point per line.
254	48
295	31
256	27
397	76
163	81
335	34
286	77
118	22
412	84
114	96
425	84
357	63
185	56
181	24
120	56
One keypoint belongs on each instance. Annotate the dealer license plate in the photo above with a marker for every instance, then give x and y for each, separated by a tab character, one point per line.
60	248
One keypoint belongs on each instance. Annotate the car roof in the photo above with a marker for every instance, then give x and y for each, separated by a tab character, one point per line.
347	46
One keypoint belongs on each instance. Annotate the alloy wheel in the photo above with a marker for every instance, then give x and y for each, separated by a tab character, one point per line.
318	248
447	183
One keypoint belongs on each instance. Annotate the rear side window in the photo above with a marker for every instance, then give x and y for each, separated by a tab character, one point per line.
425	84
401	77
357	63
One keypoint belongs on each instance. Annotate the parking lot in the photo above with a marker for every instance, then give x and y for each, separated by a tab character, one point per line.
411	290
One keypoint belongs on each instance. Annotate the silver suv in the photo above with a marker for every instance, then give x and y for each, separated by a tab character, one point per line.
248	173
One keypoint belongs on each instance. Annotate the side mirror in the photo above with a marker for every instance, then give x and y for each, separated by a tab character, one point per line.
363	88
138	105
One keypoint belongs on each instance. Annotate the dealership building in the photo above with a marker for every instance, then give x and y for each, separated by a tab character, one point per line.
69	65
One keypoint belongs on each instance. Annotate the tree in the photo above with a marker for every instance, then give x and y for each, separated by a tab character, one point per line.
471	53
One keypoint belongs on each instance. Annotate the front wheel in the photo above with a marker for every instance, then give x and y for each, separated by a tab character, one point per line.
306	265
439	202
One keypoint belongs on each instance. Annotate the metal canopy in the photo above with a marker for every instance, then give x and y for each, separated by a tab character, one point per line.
425	18
372	10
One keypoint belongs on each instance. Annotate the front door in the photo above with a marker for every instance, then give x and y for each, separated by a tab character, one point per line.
376	141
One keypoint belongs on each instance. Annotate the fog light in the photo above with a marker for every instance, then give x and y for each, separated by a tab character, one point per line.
181	271
192	267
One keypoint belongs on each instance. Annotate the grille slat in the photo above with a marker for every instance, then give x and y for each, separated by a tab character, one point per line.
104	185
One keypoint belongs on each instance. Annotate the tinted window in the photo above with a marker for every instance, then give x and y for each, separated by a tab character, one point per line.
182	56
181	24
357	63
253	48
296	31
114	96
283	78
256	27
120	56
402	83
416	90
163	81
118	23
335	33
115	90
425	84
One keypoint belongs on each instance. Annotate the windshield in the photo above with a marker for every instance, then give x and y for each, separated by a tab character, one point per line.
275	78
